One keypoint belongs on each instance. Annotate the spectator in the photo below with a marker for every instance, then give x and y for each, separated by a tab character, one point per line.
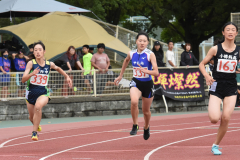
170	55
187	57
30	49
158	51
70	58
101	62
87	67
5	67
20	66
91	49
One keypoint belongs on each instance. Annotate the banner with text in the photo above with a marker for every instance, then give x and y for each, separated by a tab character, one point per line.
180	84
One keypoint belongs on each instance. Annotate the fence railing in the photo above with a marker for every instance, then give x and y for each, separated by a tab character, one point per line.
95	84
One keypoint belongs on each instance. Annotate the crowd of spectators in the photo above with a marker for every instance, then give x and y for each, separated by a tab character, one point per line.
15	61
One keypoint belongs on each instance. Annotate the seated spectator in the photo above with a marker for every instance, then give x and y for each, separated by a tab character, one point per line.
158	51
87	67
111	77
20	66
187	57
101	62
70	58
5	67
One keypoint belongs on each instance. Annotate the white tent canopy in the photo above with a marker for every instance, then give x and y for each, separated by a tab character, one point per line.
34	8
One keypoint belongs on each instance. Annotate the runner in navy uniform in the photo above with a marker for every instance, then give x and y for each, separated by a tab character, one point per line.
144	66
223	85
37	94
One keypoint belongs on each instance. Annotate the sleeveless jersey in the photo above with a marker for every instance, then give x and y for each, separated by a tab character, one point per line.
38	83
143	59
225	64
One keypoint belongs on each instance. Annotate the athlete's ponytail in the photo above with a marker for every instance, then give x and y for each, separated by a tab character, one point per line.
224	26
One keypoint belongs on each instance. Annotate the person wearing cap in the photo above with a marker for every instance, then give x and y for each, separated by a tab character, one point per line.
158	51
187	57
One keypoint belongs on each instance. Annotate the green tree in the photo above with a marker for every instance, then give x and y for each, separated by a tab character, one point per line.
199	19
111	11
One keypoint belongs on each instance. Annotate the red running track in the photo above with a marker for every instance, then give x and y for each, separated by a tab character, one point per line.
186	137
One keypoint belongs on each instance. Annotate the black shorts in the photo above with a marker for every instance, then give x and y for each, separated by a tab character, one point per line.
223	88
146	87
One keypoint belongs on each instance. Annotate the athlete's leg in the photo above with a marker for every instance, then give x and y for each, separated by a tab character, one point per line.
214	111
228	107
135	95
40	103
146	104
30	111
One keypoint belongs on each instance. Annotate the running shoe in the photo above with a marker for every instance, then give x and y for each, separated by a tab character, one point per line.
134	129
34	136
215	150
39	128
146	133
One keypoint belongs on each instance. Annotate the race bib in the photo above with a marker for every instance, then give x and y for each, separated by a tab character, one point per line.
39	79
226	65
138	74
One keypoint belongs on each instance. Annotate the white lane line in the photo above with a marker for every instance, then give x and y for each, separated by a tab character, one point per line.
90	144
163	131
150	153
4	143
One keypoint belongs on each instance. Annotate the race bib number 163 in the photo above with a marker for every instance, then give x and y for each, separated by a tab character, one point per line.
226	65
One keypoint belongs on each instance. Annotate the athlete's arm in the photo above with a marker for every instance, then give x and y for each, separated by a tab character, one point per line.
212	52
153	72
26	75
53	66
124	66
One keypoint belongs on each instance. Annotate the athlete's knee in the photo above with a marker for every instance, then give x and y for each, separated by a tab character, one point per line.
214	120
146	112
225	119
38	108
134	104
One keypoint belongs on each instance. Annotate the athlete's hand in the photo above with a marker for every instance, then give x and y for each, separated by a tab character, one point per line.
36	71
209	80
117	80
142	69
69	81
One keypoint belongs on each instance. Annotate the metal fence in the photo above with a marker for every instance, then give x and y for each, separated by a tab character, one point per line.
11	86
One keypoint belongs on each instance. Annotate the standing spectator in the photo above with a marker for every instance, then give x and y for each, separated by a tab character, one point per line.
87	67
70	58
187	57
91	49
158	51
170	55
5	67
101	62
20	66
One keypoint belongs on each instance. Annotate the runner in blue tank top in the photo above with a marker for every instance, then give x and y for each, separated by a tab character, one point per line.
144	66
223	85
37	94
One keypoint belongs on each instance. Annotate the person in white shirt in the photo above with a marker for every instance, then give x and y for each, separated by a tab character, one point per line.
170	55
